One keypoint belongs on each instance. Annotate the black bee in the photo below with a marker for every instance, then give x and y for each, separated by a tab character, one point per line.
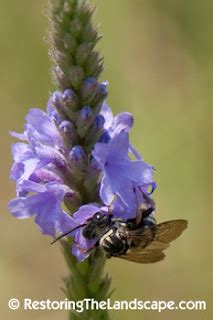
144	244
140	240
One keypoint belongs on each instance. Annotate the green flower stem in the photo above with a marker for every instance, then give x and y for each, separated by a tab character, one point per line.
86	281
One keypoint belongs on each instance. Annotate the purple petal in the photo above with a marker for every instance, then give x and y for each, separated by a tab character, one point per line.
119	146
50	155
114	151
50	217
85	212
107	193
112	186
53	113
31	186
21	151
16	171
137	171
122	122
45	175
29	167
122	211
44	129
46	205
135	153
108	116
82	246
100	153
21	136
19	207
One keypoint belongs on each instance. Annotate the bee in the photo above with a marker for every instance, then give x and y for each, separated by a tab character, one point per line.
139	240
144	244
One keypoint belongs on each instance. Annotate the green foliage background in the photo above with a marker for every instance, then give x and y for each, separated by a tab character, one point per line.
159	59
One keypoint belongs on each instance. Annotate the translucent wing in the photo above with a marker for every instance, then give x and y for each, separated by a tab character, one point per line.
145	256
147	244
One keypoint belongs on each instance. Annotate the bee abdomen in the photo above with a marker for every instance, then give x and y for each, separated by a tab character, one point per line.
113	244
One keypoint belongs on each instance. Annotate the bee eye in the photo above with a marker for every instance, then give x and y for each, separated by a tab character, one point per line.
98	216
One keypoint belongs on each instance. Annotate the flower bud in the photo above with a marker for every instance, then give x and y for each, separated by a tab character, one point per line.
83	51
93	63
70	99
77	157
99	122
70	42
88	90
69	132
72	201
100	95
76	27
75	76
61	78
84	120
57	102
96	130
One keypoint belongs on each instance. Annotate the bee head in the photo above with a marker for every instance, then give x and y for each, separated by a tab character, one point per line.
95	226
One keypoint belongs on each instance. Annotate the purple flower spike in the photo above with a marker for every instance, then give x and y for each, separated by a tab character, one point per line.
75	159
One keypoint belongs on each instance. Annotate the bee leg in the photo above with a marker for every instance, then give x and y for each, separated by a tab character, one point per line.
110	206
139	216
85	251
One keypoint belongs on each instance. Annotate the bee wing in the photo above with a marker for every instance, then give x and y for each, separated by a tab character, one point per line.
150	242
145	256
156	237
151	246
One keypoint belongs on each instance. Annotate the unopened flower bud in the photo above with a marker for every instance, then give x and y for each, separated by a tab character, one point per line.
75	75
83	51
84	120
101	94
77	157
70	99
88	90
96	130
72	201
70	42
61	77
93	63
69	132
99	122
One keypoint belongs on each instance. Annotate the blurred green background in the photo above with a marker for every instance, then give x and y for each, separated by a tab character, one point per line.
159	59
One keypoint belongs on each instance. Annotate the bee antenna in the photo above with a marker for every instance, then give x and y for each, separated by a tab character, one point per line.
66	233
